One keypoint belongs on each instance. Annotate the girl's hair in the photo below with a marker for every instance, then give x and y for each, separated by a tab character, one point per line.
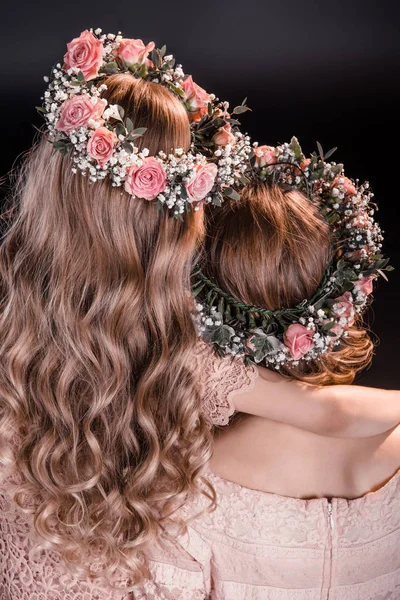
271	249
96	346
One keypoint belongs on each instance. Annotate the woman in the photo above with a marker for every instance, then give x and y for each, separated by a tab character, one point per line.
105	393
299	515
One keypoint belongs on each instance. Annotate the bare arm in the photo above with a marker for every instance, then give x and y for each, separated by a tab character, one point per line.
334	411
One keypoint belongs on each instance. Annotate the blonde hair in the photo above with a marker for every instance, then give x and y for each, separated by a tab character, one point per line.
271	249
97	339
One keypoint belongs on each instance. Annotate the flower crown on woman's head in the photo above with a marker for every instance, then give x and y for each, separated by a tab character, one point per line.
317	324
101	141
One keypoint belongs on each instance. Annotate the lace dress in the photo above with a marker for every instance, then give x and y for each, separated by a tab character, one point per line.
254	546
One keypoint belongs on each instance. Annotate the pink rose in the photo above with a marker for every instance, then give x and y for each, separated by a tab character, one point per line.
202	181
85	54
265	155
299	340
224	136
336	329
364	285
196	99
78	111
101	145
346	185
343	307
134	52
146	181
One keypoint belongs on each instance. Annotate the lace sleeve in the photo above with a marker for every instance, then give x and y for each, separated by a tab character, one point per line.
221	380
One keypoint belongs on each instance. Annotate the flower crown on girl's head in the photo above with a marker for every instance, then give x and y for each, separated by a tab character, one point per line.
101	141
317	324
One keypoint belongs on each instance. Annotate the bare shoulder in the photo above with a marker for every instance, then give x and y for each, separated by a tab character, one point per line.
381	460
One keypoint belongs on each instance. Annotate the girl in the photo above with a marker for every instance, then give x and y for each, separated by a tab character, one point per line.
298	515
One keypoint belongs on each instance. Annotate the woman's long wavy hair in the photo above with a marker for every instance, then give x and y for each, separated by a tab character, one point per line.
97	387
271	249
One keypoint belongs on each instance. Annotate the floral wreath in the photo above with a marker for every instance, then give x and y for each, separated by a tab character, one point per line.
317	324
101	141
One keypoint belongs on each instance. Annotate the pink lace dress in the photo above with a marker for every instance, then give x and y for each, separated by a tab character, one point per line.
254	546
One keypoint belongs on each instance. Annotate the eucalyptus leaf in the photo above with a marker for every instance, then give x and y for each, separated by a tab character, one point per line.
156	59
383	275
120	129
325	328
238	110
320	151
231	193
139	131
330	152
121	111
217	199
129	125
111	68
127	146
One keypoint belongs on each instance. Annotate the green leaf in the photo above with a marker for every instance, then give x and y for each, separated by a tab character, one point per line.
330	152
62	146
110	68
233	121
217	200
196	291
295	146
320	151
263	344
129	125
163	50
252	321
333	217
244	102
209	109
139	131
238	110
228	313
80	77
128	147
325	328
41	109
222	335
155	57
177	90
120	129
231	193
121	111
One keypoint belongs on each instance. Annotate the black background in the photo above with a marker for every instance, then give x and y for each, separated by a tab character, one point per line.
326	71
